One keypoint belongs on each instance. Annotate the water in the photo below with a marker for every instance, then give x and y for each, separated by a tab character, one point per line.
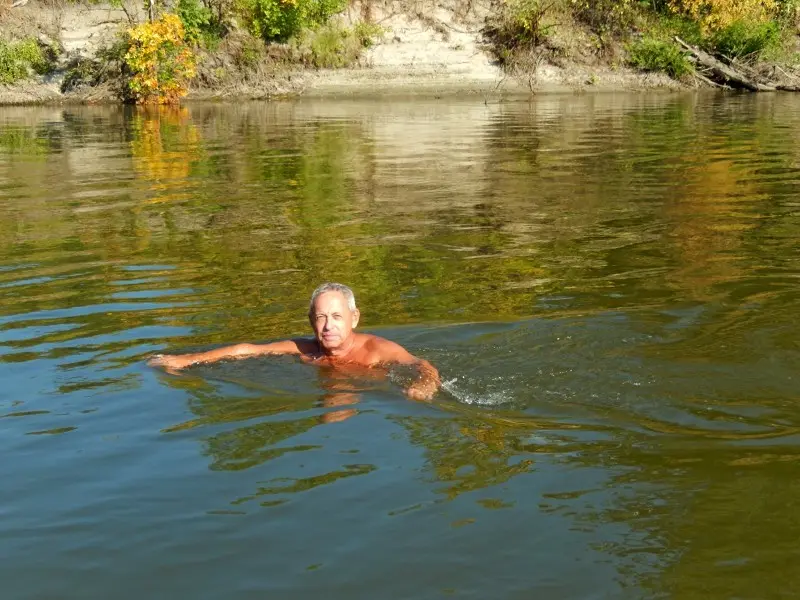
608	284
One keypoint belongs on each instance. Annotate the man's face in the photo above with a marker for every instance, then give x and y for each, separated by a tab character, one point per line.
332	320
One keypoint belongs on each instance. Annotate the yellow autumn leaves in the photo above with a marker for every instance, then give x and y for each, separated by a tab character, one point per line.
159	61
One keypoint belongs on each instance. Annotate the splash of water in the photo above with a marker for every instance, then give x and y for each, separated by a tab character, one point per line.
485	398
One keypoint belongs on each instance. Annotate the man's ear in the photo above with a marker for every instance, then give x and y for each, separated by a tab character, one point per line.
356	317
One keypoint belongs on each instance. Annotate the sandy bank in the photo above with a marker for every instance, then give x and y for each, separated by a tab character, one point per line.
432	50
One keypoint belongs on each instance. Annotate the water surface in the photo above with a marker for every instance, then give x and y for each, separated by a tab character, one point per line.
608	284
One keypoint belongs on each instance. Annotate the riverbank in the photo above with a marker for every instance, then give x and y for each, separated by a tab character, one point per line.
428	50
75	52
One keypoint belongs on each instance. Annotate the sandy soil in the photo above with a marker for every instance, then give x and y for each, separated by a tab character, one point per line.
431	47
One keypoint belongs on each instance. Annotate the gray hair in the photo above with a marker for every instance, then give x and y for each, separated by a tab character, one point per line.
333	287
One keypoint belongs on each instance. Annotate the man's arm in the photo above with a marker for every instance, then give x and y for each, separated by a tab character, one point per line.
427	382
175	362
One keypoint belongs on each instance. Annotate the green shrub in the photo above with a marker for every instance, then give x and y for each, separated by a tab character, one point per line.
367	33
607	18
18	59
196	19
521	25
105	68
11	68
740	39
82	72
278	20
249	53
650	54
333	46
668	26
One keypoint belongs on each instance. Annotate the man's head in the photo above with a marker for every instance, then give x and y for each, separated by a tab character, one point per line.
333	315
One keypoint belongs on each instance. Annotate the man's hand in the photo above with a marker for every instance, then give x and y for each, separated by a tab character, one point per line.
427	383
171	362
422	390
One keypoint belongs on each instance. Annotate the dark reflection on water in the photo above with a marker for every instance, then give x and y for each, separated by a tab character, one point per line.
608	285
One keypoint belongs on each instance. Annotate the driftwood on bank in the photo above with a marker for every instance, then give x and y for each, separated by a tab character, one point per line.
723	73
709	82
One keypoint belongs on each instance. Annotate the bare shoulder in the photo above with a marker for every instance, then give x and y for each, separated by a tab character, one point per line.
382	350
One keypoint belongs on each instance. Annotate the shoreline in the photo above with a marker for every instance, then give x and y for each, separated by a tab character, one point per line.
367	83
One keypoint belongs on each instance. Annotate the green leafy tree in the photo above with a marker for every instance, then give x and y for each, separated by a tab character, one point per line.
278	20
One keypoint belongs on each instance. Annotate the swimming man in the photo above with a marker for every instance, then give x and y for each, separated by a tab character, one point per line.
333	316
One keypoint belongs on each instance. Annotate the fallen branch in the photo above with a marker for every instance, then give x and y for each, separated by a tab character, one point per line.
739	66
785	73
723	72
710	82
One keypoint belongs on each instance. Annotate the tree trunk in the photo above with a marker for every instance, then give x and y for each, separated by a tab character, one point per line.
723	72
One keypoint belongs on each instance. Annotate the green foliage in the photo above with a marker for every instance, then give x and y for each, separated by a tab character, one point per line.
82	72
333	46
737	40
668	26
518	29
607	18
19	59
278	20
740	39
714	15
789	11
11	68
522	24
105	67
367	33
250	53
196	19
650	54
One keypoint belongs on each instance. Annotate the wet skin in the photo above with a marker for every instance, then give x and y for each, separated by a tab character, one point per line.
335	345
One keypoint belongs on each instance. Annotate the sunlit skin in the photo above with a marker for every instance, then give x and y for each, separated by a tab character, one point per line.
335	344
338	381
339	399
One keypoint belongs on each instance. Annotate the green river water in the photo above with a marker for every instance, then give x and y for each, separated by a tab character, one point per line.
609	285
